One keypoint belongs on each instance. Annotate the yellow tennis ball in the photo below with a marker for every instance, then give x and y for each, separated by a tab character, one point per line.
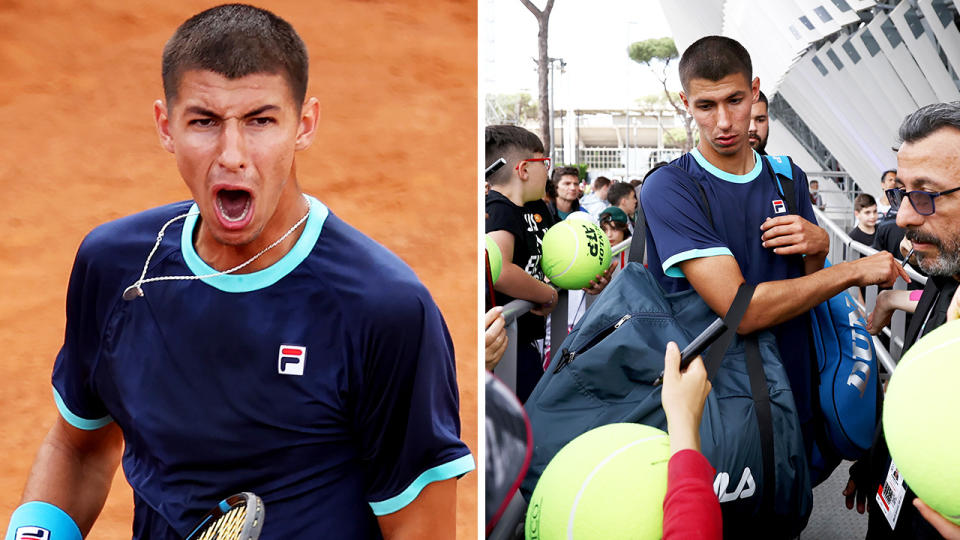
496	258
920	419
608	483
574	252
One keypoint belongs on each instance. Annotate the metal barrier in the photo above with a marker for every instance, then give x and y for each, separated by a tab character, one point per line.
842	248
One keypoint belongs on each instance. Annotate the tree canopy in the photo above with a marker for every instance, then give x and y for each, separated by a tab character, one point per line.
648	50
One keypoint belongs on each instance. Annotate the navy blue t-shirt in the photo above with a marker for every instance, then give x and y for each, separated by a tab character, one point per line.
678	230
324	383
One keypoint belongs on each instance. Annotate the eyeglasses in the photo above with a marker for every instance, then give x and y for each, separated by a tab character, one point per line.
545	160
922	201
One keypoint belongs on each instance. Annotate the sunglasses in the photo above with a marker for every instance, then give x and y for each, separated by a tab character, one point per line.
921	201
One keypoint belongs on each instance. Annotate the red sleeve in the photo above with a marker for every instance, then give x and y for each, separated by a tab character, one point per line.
691	509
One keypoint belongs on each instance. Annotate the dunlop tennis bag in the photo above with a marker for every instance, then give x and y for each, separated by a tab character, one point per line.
849	389
750	432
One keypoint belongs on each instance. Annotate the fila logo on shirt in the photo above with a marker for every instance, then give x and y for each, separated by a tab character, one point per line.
779	207
32	533
291	359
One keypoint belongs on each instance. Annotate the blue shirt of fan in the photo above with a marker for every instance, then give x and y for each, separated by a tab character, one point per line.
678	230
324	383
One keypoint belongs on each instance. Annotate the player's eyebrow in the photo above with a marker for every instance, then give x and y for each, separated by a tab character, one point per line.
200	111
261	110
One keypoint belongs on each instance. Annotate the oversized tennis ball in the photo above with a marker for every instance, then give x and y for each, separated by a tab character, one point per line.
574	252
583	215
496	258
607	483
920	419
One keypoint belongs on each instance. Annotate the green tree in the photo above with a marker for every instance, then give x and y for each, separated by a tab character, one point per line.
543	67
656	53
514	109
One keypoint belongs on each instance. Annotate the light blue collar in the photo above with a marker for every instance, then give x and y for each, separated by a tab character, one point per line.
724	175
238	283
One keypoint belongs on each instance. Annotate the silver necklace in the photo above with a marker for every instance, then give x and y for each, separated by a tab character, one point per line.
135	290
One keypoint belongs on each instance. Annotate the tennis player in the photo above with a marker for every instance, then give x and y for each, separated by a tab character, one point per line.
249	339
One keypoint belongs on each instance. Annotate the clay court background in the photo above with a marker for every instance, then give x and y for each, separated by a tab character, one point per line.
396	156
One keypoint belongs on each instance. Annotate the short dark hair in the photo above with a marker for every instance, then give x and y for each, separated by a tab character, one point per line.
511	143
886	172
617	192
713	58
600	182
863	200
560	172
925	120
763	99
236	40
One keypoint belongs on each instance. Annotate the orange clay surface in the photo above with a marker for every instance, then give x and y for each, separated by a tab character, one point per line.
395	156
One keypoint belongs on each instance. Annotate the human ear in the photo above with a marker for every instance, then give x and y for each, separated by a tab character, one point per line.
162	119
307	128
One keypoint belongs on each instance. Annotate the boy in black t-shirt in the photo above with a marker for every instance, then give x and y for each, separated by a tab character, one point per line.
865	209
518	233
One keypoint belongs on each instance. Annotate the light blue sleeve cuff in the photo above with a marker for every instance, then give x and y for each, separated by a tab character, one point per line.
76	421
670	268
446	471
42	521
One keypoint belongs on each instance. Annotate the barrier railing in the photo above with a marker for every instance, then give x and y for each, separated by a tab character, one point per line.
842	248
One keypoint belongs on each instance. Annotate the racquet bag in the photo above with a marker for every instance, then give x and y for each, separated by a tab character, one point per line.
848	393
750	432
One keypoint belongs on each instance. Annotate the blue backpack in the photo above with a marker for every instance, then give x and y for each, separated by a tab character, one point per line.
849	389
750	431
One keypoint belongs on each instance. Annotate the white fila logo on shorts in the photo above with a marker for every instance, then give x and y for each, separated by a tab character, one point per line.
291	359
32	533
779	207
746	488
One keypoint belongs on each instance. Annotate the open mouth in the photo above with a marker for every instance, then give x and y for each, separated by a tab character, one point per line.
233	204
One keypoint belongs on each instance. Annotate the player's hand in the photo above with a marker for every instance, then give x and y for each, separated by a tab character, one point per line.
794	235
683	396
600	282
878	269
945	527
495	337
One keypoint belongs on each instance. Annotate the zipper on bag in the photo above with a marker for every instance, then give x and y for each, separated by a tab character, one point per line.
567	356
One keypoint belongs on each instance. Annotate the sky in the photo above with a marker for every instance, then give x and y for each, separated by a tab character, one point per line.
591	37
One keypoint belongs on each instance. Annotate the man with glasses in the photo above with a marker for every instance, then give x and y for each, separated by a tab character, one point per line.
928	209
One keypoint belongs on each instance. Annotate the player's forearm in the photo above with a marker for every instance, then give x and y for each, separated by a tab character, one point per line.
775	302
515	282
75	479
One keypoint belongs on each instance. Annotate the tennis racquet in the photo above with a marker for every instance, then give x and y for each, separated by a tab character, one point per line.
238	517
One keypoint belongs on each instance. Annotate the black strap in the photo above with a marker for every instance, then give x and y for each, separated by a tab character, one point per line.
920	314
638	243
738	308
761	403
